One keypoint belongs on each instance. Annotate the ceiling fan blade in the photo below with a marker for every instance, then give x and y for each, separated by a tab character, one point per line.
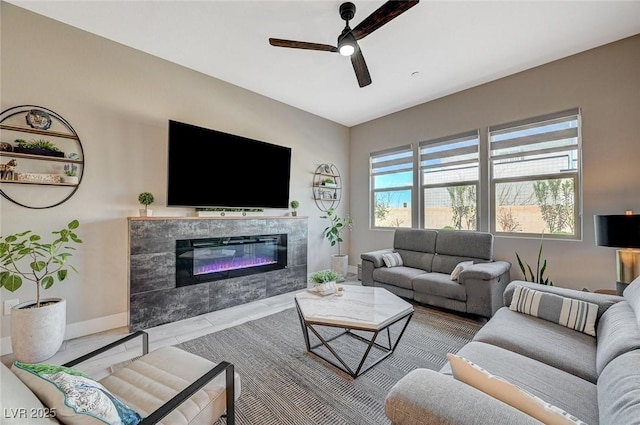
385	13
360	67
301	45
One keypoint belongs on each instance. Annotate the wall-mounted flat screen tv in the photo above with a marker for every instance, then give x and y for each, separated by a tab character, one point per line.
209	168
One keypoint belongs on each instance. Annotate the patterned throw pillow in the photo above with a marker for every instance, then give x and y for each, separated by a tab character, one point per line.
498	388
459	268
74	396
392	259
574	314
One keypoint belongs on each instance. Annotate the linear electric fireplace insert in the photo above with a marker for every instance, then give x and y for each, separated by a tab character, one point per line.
206	260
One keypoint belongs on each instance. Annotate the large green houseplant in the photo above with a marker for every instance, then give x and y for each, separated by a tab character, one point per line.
333	233
37	327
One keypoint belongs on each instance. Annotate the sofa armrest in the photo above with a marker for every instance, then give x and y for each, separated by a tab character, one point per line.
603	301
485	271
428	397
375	257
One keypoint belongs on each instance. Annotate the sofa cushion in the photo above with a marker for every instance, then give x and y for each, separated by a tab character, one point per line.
619	390
632	295
461	243
401	276
618	333
564	390
74	396
501	389
541	340
421	240
574	314
439	284
416	259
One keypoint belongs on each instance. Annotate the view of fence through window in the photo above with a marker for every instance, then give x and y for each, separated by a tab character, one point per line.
535	175
534	179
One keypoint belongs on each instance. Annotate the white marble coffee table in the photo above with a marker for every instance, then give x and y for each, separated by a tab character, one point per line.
361	308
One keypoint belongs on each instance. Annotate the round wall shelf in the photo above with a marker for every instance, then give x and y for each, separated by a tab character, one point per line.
327	187
41	157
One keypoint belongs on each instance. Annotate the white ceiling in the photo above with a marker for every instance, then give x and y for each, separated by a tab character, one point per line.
451	45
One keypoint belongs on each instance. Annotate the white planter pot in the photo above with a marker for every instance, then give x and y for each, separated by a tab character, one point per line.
325	288
146	213
37	333
340	264
70	179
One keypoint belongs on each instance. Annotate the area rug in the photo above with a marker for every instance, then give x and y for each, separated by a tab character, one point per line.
283	384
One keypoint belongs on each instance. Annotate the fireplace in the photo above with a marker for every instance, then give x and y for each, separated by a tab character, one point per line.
211	259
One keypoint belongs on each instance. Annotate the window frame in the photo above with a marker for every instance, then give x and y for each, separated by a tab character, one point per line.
575	175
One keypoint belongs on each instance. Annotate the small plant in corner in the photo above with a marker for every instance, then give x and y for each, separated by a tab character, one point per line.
23	256
538	277
338	224
324	276
294	205
146	199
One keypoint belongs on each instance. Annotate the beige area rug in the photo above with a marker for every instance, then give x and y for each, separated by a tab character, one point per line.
283	384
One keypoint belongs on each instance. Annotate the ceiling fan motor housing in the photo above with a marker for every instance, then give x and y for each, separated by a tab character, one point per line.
347	11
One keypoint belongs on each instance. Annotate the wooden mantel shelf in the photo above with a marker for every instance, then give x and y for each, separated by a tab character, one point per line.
233	217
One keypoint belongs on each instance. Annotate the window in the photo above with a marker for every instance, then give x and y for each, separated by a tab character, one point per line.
449	175
535	176
392	178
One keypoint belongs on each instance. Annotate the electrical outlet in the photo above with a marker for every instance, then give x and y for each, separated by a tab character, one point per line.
8	304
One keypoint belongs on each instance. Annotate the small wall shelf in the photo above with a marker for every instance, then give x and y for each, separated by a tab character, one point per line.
15	123
327	195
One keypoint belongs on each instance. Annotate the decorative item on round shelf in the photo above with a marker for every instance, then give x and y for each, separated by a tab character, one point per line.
38	119
38	178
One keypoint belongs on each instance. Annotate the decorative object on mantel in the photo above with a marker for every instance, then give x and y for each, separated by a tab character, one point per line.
146	199
294	205
37	327
228	212
327	187
51	135
339	262
621	231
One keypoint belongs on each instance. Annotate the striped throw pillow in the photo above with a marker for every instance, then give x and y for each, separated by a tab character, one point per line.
569	312
392	259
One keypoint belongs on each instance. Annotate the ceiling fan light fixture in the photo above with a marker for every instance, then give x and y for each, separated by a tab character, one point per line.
347	43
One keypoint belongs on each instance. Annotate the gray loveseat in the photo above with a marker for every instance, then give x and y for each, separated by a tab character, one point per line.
596	379
429	257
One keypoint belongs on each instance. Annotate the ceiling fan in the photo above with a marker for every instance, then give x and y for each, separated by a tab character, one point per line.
348	39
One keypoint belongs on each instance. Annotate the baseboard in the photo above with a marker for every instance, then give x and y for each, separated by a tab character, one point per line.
78	329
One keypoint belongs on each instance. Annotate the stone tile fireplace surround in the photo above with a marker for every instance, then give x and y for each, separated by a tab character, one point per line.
154	298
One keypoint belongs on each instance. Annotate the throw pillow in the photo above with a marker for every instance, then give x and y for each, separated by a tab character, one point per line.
392	259
74	396
498	388
459	268
574	314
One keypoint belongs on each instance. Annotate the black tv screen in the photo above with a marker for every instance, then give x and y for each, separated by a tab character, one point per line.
209	168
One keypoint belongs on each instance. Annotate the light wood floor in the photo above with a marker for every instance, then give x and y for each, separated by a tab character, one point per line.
164	335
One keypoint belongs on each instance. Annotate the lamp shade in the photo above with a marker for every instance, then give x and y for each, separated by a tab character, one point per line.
619	231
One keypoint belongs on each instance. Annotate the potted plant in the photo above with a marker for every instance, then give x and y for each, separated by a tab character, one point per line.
329	183
70	174
324	281
37	327
38	147
294	205
146	199
333	232
538	276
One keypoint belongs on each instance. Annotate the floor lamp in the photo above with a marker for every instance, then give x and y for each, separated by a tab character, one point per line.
621	231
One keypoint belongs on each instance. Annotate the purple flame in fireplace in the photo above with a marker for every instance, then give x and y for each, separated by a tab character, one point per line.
221	265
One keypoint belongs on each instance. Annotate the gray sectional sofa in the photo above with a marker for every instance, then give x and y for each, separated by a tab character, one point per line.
429	257
596	379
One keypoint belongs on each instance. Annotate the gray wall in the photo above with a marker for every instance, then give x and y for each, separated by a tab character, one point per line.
604	82
119	100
